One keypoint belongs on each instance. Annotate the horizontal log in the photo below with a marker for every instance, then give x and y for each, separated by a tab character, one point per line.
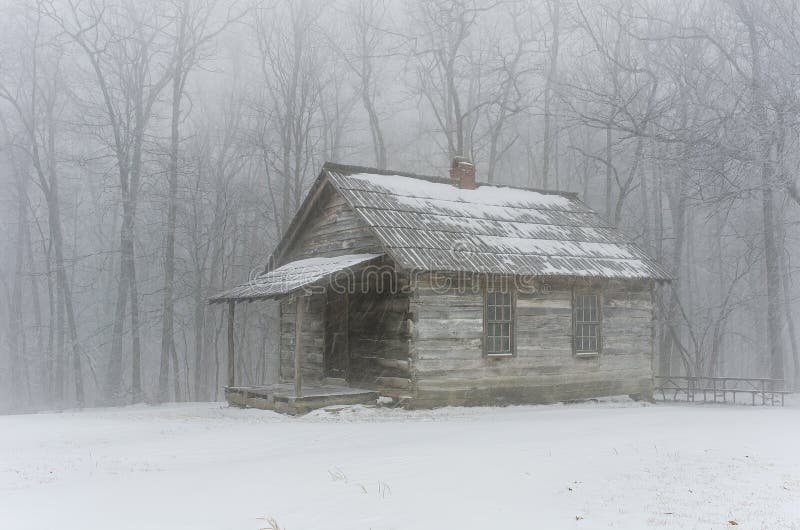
449	328
439	302
621	302
477	380
394	382
441	313
538	351
527	362
347	234
388	348
436	280
527	393
550	301
544	326
401	365
499	366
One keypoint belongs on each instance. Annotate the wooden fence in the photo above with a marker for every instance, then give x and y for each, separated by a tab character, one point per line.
767	392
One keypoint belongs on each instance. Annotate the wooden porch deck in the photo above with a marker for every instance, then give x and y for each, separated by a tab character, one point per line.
281	397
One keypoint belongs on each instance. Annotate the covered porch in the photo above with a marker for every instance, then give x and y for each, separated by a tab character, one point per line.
321	355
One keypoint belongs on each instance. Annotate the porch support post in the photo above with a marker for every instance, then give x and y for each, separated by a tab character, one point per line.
298	347
231	352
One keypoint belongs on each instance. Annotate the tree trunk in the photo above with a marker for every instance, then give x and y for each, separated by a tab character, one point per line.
199	342
378	144
771	257
609	173
677	200
41	350
176	373
785	275
114	375
15	321
167	328
136	358
547	142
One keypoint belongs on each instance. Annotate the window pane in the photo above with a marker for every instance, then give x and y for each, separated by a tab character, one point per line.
587	322
499	319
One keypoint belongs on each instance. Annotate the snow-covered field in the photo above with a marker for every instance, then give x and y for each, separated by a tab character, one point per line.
205	466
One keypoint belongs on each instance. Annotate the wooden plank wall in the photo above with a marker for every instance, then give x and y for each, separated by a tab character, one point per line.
313	339
380	332
332	229
449	366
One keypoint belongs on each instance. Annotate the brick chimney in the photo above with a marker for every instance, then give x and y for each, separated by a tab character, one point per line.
463	172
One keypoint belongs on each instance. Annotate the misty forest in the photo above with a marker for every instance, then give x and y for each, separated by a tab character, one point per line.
153	152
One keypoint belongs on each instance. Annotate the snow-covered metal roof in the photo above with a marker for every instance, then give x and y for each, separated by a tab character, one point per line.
431	224
292	277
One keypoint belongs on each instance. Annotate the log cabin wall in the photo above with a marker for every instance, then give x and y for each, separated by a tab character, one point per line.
449	365
313	339
332	228
380	332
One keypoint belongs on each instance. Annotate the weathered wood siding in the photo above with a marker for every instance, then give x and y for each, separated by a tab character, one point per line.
449	366
429	343
331	229
313	338
380	332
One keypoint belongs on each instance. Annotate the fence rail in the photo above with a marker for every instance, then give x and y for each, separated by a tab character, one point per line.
767	392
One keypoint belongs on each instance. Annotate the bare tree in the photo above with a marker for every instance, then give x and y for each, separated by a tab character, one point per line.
193	33
123	45
446	77
366	20
288	110
35	99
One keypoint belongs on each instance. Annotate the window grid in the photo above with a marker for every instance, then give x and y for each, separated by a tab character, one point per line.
499	321
587	323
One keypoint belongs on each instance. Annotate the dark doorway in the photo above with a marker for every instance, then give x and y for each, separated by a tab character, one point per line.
337	347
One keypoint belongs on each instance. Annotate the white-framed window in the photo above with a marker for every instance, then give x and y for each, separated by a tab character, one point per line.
587	323
498	313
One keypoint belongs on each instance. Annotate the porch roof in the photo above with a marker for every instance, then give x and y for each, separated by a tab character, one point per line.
292	277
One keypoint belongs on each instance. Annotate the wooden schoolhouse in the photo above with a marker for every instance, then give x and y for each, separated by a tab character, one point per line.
445	291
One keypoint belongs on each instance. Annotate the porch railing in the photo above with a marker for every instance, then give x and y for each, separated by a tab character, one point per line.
761	391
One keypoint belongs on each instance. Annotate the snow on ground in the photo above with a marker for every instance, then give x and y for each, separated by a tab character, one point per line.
199	466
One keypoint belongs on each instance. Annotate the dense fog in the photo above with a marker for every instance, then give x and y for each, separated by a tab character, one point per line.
152	153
